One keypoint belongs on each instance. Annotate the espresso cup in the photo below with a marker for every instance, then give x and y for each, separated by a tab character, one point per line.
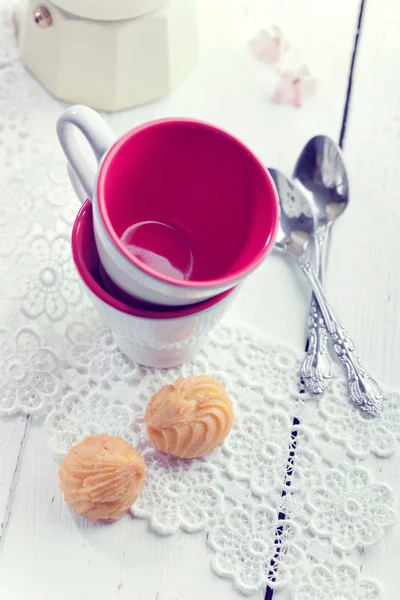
182	210
155	338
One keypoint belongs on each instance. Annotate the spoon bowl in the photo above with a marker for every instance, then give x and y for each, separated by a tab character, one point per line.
321	174
296	221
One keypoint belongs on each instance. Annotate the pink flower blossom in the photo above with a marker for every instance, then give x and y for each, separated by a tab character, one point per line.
294	87
269	46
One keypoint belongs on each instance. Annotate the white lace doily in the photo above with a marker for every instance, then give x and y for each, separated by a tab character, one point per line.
276	500
279	504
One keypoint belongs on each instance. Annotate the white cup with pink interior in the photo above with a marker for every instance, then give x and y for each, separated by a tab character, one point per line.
182	211
155	338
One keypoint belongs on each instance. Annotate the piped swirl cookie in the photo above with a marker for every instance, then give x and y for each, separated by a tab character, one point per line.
102	476
190	417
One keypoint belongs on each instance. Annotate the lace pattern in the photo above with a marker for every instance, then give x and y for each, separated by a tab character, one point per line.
238	494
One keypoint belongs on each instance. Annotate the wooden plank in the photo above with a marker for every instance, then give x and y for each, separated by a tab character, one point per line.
363	277
69	557
13	435
64	557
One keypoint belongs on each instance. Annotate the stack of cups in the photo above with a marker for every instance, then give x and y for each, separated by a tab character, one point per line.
175	215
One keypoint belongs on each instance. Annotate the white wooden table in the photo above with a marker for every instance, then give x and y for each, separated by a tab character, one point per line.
44	553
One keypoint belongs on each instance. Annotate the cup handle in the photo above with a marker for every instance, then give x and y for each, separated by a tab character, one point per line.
100	138
76	184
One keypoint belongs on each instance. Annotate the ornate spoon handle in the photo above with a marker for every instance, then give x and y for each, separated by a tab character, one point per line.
316	368
363	389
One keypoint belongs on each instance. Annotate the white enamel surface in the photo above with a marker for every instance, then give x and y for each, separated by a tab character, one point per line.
99	137
138	283
109	11
160	343
142	58
39	536
76	184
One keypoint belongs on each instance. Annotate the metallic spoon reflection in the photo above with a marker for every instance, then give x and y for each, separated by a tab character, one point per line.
321	174
296	220
293	238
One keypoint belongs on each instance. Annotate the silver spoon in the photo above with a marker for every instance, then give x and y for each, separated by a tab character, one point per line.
295	232
321	174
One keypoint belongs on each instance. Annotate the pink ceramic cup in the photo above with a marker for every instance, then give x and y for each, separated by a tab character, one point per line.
182	210
159	338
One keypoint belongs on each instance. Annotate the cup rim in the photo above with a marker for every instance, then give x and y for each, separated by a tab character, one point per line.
85	217
229	280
